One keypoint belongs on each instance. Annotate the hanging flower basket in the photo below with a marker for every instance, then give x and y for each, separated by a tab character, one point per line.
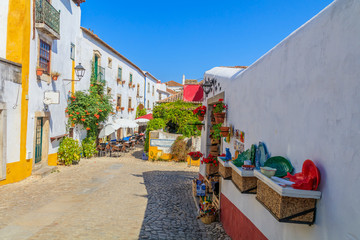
123	82
200	112
219	117
195	155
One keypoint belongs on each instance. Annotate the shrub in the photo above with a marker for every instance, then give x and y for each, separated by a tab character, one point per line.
140	112
179	150
88	146
69	151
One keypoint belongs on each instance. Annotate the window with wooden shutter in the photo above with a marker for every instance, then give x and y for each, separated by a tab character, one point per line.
120	74
129	105
131	79
44	56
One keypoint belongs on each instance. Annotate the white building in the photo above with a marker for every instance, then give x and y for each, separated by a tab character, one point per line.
301	99
53	40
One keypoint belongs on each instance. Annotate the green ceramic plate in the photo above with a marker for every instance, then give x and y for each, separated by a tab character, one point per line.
239	161
282	165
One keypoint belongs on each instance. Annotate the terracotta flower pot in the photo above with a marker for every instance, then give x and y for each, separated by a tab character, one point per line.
199	127
214	148
195	158
54	78
215	141
122	109
39	71
201	118
224	131
219	117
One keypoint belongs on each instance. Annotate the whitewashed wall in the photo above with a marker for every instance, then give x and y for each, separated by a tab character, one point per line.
88	45
60	61
161	88
302	99
10	95
150	94
4	8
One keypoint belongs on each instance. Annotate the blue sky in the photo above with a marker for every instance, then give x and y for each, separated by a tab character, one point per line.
170	38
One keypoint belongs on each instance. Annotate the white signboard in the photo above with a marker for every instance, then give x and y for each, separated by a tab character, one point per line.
51	97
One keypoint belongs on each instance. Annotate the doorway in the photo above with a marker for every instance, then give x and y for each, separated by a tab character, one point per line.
38	139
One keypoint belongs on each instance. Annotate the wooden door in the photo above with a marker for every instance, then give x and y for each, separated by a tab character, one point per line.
38	139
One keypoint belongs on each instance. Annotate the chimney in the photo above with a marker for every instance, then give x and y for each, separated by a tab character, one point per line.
183	79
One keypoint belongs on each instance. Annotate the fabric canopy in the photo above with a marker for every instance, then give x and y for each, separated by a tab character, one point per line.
193	93
106	130
147	116
142	121
125	123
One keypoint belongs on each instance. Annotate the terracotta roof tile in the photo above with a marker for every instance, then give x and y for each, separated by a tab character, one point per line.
173	84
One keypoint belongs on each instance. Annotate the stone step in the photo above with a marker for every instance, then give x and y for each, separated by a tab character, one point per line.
44	171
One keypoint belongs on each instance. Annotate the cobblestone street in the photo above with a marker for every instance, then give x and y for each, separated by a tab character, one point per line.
106	198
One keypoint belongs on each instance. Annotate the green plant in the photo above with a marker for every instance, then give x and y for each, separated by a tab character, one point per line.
140	112
216	133
179	149
180	116
153	124
69	151
89	108
88	146
219	107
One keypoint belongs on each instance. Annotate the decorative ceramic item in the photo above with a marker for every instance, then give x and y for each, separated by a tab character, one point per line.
228	154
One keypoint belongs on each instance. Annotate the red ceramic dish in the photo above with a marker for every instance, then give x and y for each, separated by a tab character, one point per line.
308	179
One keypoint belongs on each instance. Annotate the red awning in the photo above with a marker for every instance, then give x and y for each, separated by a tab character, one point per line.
193	93
147	116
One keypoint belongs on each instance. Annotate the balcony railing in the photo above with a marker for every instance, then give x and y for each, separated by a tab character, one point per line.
47	18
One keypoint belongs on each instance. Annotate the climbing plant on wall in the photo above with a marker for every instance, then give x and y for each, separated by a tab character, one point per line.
89	108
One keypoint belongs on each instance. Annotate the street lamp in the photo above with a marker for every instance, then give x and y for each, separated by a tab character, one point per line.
80	71
208	84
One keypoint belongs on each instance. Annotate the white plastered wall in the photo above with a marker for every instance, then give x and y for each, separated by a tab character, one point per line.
302	99
60	61
4	8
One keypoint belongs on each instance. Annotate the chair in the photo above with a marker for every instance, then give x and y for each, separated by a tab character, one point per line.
100	149
116	149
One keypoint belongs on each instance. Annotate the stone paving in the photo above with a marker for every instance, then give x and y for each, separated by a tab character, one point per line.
106	198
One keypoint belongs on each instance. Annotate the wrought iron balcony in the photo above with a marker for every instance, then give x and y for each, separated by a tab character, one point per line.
47	18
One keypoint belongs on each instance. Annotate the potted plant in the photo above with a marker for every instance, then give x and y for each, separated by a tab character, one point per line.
224	131
122	108
195	155
118	80
200	112
219	111
212	164
123	82
215	134
55	75
39	71
117	108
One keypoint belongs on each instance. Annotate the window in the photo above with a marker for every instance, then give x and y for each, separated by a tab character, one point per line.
159	96
109	91
44	56
118	101
138	90
148	105
129	105
120	73
72	51
130	79
148	88
109	63
153	90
